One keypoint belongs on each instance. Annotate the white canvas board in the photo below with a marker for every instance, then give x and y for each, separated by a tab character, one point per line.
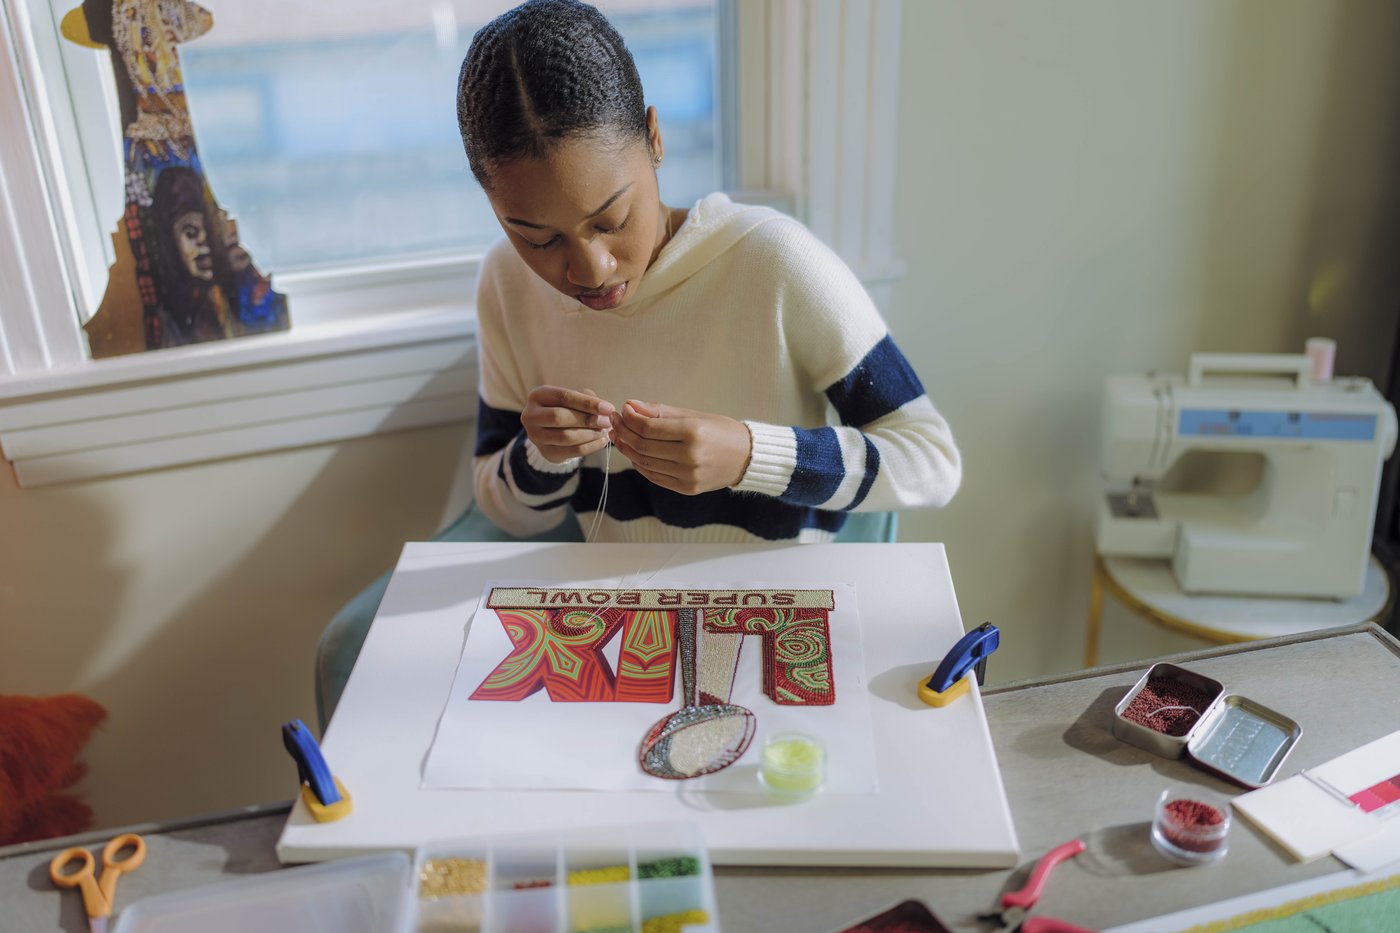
537	743
940	801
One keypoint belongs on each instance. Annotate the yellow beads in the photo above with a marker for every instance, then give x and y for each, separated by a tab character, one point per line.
793	763
672	923
611	875
448	877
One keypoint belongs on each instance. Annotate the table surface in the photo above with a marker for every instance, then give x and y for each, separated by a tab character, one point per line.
1064	774
1152	582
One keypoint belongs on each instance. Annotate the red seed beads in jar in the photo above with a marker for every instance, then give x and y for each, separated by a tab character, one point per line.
1191	825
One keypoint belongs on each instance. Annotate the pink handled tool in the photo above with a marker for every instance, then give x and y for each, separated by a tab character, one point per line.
1016	904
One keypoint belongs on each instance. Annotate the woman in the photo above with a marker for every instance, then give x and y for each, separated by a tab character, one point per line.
747	382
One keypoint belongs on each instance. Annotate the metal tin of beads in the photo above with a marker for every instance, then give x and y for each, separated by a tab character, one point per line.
1231	736
1154	740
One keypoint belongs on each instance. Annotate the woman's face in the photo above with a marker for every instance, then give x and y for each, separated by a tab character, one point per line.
587	217
193	245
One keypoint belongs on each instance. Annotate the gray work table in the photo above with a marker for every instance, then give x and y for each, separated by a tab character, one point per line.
1065	776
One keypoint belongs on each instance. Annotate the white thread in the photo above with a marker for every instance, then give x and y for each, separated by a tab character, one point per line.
1163	709
603	500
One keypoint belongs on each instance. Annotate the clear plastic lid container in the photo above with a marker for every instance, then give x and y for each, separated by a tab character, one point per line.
358	895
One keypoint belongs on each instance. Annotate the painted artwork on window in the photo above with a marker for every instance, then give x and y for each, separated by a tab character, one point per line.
600	687
181	276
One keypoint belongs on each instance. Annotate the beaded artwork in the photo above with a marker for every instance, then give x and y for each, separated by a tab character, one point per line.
596	686
558	637
796	650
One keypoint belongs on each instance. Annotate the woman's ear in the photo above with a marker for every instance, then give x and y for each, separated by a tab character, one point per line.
658	149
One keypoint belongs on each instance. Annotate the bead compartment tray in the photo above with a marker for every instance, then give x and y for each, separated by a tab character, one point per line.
564	883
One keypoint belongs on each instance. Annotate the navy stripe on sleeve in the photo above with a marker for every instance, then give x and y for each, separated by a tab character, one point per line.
495	428
820	466
872	467
632	496
880	383
530	481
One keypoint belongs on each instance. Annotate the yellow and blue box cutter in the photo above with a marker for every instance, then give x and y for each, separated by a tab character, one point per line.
321	791
950	680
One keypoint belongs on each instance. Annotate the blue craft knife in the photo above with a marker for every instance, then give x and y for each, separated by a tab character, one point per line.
949	681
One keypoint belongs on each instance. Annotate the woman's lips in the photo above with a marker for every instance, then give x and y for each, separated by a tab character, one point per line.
604	299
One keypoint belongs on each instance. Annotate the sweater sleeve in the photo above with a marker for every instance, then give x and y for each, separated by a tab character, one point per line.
891	448
515	486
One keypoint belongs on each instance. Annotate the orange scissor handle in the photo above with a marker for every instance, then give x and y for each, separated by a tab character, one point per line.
97	895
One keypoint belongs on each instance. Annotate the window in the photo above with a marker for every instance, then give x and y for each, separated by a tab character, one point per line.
329	131
333	145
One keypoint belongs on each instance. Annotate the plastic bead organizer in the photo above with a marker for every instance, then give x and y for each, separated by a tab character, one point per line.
652	878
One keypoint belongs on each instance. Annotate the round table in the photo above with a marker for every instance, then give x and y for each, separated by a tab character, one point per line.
1148	587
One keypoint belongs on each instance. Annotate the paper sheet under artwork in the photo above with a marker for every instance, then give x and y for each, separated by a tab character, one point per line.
559	683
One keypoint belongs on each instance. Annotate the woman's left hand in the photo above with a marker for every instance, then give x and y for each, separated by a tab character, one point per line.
686	451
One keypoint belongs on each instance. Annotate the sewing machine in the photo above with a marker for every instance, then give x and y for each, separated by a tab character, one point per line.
1249	475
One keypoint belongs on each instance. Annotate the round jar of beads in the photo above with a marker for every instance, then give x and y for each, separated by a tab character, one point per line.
1191	825
794	764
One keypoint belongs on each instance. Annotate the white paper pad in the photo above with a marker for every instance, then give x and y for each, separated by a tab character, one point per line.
1375	852
1303	818
1309	814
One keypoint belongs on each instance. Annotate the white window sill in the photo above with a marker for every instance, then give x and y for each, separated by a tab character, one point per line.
310	385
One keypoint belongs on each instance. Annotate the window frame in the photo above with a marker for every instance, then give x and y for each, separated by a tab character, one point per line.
813	133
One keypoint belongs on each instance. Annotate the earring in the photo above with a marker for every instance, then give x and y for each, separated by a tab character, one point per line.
656	160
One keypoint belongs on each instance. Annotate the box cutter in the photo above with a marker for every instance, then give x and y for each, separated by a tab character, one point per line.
1015	905
325	797
950	681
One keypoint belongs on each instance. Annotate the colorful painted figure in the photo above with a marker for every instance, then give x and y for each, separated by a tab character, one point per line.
181	275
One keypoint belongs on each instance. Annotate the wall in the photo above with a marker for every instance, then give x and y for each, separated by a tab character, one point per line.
1090	187
189	603
1085	187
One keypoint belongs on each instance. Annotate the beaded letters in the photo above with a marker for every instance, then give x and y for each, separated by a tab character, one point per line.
558	636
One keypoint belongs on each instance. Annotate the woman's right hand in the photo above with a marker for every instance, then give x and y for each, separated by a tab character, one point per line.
567	423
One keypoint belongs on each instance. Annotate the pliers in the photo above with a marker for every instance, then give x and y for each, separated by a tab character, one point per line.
1016	904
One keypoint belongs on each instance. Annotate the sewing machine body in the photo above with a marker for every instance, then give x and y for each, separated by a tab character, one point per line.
1247	475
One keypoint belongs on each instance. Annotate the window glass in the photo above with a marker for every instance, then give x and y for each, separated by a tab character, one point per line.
329	129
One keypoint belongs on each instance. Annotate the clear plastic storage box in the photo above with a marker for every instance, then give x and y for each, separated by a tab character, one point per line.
653	878
358	895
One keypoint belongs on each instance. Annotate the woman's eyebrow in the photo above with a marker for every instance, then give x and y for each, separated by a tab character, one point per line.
609	202
516	221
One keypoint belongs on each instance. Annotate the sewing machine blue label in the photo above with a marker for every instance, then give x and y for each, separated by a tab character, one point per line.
1300	424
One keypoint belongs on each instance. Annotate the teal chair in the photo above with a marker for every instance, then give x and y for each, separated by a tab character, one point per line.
343	637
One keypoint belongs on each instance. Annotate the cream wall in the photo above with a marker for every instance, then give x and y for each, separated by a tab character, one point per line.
189	602
1085	187
1090	187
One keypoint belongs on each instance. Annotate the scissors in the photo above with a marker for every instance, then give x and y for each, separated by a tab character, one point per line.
98	895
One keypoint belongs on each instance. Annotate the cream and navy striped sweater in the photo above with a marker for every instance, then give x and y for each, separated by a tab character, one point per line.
744	313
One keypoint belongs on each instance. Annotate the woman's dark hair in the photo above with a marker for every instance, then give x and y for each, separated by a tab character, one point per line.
546	71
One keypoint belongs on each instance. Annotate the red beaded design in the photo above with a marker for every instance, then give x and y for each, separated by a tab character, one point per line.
796	651
560	650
